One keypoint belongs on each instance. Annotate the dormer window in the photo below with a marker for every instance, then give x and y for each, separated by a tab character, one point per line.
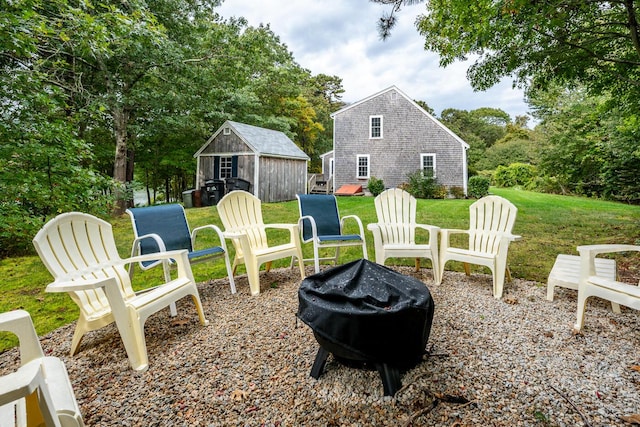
375	127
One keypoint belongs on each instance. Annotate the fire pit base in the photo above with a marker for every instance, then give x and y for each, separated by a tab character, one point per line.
391	376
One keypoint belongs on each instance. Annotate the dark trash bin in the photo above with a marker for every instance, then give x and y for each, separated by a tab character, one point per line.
237	184
215	190
366	314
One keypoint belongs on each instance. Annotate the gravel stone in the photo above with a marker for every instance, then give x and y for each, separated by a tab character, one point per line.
508	362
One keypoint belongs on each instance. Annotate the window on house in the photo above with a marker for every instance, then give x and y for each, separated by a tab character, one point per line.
362	166
375	127
428	164
226	167
226	131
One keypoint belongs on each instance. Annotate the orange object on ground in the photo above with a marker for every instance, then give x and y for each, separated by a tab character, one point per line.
350	190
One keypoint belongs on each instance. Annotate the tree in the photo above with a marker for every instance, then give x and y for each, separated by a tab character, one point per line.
592	43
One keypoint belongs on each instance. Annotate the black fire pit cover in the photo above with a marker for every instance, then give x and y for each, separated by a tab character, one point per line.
367	312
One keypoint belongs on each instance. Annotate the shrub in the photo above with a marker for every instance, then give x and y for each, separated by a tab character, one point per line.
478	186
440	192
421	186
375	186
457	192
514	174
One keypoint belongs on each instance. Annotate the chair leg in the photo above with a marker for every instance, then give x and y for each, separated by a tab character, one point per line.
615	307
196	301
467	268
253	275
81	329
442	262
582	302
316	258
436	268
232	283
498	282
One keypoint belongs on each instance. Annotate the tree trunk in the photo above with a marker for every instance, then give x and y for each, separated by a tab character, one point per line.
120	120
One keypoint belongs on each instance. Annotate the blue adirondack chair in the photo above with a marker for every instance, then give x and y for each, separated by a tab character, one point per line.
164	228
321	224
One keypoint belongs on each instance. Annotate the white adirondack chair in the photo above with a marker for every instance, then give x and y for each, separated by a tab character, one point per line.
490	231
394	234
241	215
39	391
80	253
593	284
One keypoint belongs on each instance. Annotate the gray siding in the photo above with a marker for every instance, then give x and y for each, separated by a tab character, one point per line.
281	179
407	133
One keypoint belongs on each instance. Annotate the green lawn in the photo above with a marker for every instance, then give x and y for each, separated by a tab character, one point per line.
549	224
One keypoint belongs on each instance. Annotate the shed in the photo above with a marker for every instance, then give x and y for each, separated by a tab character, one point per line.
268	159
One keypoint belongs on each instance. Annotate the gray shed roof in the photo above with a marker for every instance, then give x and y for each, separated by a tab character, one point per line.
262	141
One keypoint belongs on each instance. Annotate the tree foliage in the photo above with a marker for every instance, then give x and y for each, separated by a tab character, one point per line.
100	93
593	43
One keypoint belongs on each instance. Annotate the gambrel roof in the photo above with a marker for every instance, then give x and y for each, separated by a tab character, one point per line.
401	93
262	141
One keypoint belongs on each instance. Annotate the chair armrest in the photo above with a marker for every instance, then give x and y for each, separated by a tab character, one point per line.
314	229
135	248
594	250
69	285
358	221
168	255
282	226
21	383
588	253
215	229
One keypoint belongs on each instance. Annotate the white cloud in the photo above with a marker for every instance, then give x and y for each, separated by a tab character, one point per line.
341	39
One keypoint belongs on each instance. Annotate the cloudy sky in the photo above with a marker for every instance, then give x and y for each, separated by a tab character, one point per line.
340	38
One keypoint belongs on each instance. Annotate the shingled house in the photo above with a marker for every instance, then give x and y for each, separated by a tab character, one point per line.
271	162
389	136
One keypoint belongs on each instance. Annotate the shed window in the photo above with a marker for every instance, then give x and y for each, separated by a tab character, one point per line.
428	164
375	127
226	131
226	167
362	166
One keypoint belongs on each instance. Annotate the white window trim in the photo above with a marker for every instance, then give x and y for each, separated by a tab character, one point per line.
230	168
371	127
433	155
226	131
358	157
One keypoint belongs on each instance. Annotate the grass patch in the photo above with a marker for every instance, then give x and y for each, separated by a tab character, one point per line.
548	224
